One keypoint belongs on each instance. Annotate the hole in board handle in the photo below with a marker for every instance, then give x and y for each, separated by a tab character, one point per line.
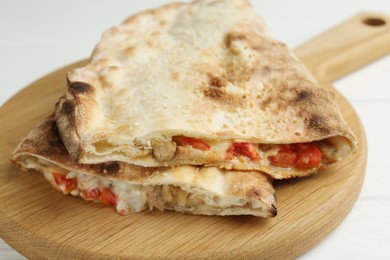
372	21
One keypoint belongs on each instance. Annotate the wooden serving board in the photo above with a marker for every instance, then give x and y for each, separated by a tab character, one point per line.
41	223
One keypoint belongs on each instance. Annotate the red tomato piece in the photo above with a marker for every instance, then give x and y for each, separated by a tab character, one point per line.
92	194
300	155
70	184
59	178
245	149
308	155
284	158
108	197
195	143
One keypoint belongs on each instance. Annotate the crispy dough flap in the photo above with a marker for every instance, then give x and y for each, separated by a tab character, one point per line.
207	69
230	192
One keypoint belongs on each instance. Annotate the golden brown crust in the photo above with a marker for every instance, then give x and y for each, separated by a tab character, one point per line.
45	142
67	122
256	186
186	70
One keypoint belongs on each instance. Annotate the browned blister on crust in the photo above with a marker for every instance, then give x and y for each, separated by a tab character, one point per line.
187	189
208	70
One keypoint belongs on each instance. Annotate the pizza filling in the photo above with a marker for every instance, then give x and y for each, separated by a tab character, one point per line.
301	155
127	197
61	180
194	142
297	155
243	149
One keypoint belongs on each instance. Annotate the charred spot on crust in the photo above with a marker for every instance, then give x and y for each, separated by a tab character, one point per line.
266	70
55	143
253	193
318	124
54	129
111	168
233	36
213	92
80	88
216	87
303	96
216	82
51	145
274	210
67	107
66	123
230	38
216	90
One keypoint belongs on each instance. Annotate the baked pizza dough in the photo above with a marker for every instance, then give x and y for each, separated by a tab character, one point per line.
201	83
186	189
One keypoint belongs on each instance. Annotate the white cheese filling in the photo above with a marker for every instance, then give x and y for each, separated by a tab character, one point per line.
138	197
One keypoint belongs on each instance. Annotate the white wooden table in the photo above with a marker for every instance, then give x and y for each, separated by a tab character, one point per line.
37	37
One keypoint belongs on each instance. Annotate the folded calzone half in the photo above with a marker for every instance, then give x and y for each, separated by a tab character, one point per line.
187	189
200	83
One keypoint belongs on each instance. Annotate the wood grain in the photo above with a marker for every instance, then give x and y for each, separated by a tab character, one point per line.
348	46
43	224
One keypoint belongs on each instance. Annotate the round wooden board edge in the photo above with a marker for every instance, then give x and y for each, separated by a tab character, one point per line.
16	234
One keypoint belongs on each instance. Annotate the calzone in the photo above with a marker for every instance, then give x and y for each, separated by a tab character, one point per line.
129	188
200	83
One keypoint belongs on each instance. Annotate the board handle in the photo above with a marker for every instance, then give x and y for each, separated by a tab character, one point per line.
347	47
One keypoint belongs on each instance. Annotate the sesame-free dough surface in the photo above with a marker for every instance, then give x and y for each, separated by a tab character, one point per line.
208	70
